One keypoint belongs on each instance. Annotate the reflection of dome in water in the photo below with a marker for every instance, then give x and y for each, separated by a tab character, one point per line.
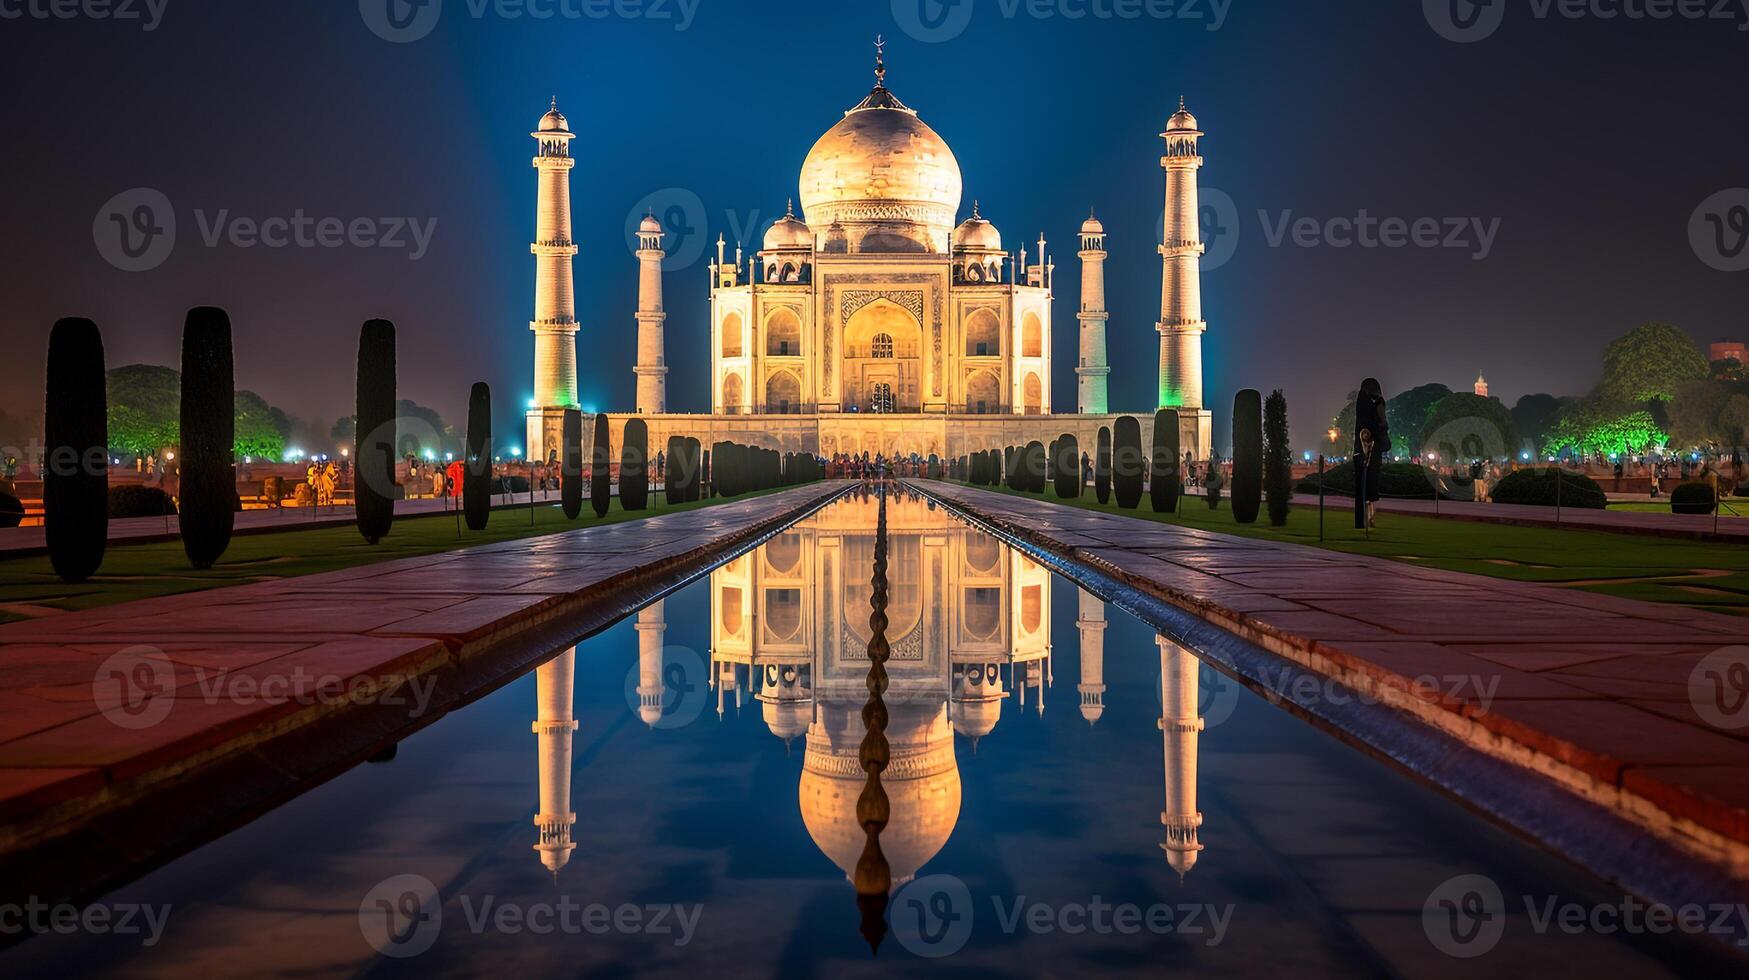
787	719
975	719
922	782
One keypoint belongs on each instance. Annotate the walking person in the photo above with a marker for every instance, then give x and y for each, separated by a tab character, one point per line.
1372	440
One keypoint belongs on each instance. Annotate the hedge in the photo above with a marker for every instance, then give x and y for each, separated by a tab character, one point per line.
1128	465
133	500
1102	466
477	470
1692	498
1164	479
207	489
373	453
634	463
1396	480
601	469
1247	490
571	465
1537	487
75	432
1068	452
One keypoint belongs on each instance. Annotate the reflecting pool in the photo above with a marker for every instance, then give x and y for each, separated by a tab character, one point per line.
1069	792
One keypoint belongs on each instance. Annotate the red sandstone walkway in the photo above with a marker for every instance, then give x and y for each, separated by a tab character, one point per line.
1610	696
1701	527
97	705
17	542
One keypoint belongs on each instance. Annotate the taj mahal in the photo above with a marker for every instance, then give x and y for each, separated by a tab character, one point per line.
873	322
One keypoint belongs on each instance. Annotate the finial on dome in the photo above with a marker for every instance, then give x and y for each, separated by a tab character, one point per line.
880	61
975	215
555	104
1181	104
789	210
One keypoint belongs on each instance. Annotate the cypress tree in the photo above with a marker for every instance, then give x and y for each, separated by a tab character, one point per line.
634	466
1053	473
695	463
477	469
1247	455
601	469
1164	476
1032	466
373	452
1068	467
1127	461
707	475
571	466
208	485
76	449
1102	466
674	480
1277	458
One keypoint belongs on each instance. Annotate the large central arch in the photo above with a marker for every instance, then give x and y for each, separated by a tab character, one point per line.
883	345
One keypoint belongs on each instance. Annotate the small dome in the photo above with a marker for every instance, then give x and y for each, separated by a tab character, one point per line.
789	232
1181	120
975	232
787	719
1092	226
974	719
554	120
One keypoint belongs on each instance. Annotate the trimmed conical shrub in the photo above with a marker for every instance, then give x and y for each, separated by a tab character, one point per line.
634	466
1127	462
1165	479
601	469
1032	467
674	480
571	466
1102	466
1051	476
707	474
1068	452
477	470
695	465
76	451
1278	480
1247	455
207	490
373	452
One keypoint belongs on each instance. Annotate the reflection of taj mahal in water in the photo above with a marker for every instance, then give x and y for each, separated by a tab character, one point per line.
969	630
873	322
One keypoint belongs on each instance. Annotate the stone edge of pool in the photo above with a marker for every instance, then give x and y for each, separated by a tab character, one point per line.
77	829
1701	827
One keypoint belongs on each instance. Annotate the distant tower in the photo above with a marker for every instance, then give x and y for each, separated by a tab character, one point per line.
1180	726
1181	324
555	311
652	624
1093	370
554	726
1092	687
1481	386
652	369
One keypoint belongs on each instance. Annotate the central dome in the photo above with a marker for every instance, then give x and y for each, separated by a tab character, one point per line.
883	174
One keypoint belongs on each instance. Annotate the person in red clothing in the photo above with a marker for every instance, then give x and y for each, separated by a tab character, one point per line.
455	473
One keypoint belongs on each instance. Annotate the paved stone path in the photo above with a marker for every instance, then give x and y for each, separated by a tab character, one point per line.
21	541
1701	527
97	705
1604	694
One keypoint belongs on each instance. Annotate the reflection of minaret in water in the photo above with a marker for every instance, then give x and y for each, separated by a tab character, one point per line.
1092	686
554	728
1179	725
651	626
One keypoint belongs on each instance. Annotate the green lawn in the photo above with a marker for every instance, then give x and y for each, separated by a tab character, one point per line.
143	570
1690	573
1735	507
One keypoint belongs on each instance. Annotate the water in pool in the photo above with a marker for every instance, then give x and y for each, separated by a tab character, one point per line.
677	795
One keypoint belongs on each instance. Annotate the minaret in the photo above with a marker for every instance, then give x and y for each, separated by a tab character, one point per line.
652	369
1481	386
652	624
554	727
555	312
1181	324
1092	687
1179	725
1093	370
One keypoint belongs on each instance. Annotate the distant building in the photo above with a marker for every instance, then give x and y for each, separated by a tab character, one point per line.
1481	386
1726	350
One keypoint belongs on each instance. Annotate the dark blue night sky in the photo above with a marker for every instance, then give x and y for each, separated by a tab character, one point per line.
1591	140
